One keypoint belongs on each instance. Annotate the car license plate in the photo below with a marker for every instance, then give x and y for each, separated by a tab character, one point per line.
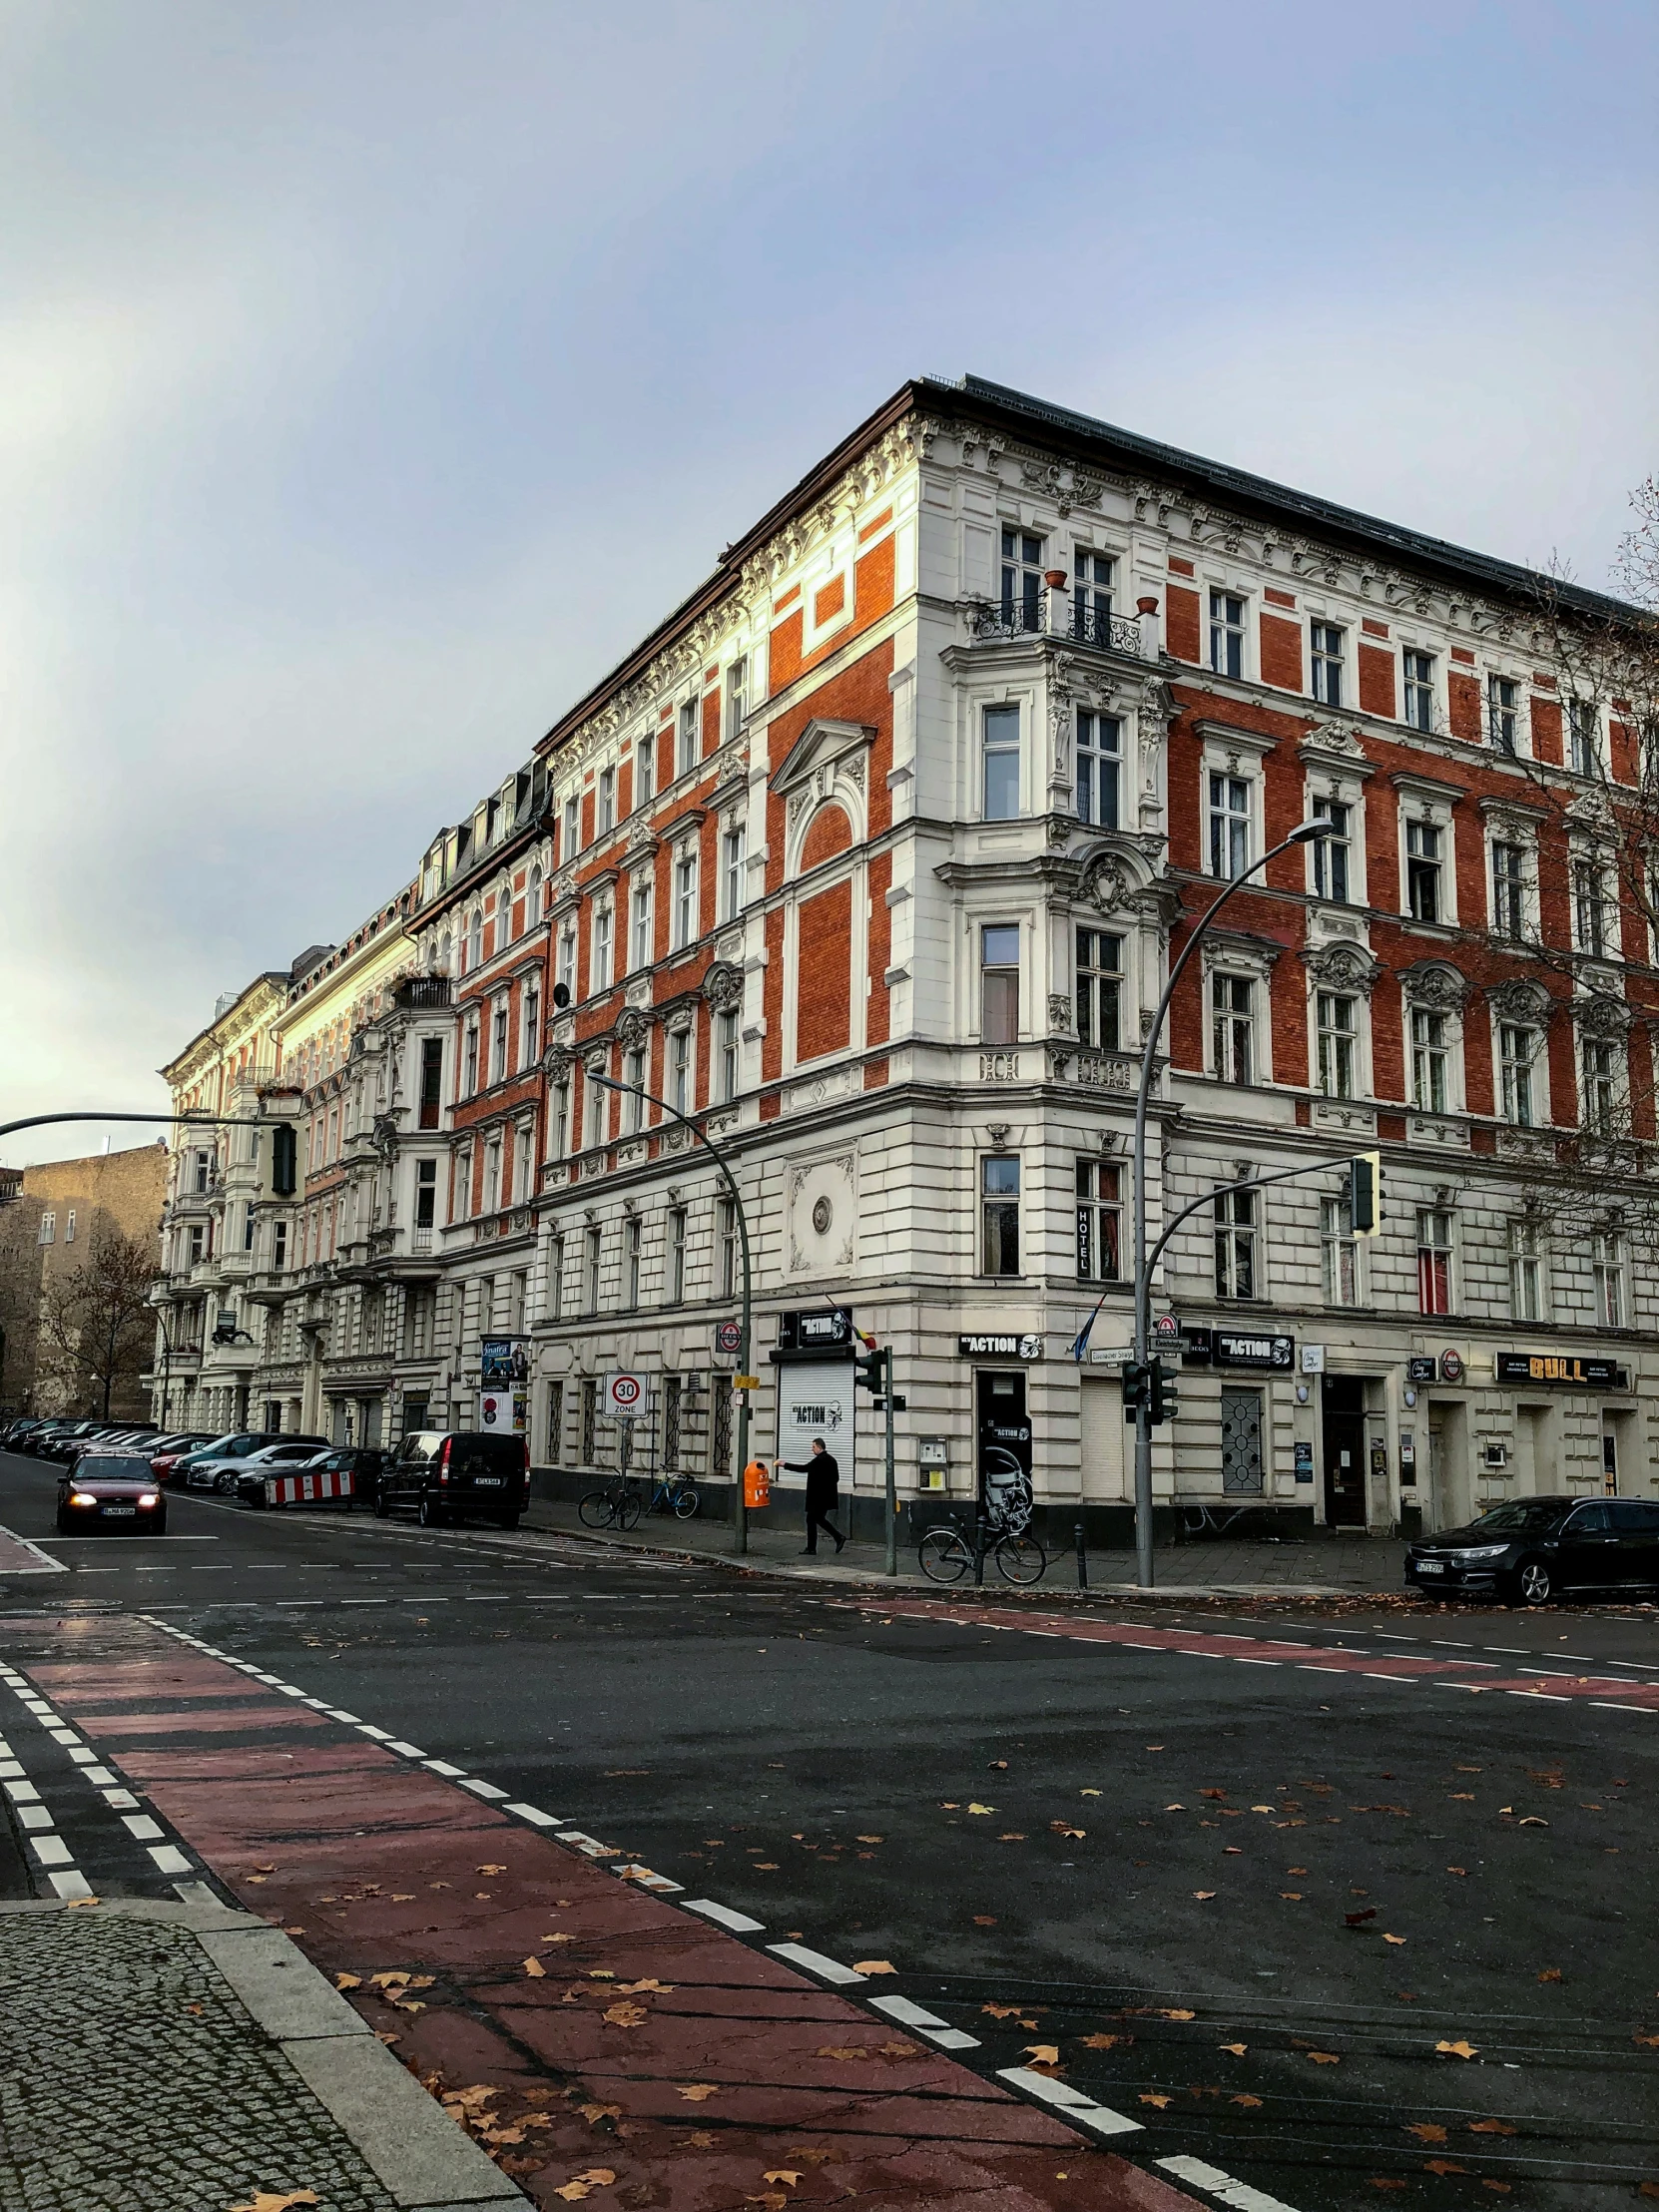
120	1509
487	1481
1430	1566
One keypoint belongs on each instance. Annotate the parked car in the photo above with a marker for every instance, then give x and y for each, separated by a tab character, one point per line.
1534	1550
111	1489
60	1444
17	1430
361	1465
33	1441
236	1445
172	1450
274	1457
447	1474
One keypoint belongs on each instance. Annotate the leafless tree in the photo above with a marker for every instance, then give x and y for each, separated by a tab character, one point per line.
96	1322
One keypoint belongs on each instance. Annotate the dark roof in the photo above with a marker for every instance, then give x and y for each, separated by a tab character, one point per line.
1256	494
1022	414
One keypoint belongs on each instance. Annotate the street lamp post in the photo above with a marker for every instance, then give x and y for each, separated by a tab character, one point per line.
740	1519
1303	834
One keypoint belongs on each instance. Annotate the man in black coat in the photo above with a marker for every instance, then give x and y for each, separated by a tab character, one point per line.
823	1478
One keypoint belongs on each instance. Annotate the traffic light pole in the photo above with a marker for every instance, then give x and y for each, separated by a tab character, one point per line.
1303	834
892	1479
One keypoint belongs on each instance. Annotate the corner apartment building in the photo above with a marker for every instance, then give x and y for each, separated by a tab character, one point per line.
872	858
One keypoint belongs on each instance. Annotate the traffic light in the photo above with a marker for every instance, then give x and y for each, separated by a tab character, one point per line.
1364	1193
1135	1389
284	1159
871	1369
1165	1392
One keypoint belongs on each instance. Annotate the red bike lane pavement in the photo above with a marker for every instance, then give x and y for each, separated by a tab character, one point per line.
598	2042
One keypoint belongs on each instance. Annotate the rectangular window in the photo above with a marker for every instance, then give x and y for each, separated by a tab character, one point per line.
1517	1049
1231	1028
589	1415
732	857
644	937
999	1215
1607	1268
679	1070
197	1238
48	1230
999	787
1227	633
590	1269
561	1119
1584	738
1023	589
1339	1254
605	814
463	1184
691	737
1331	852
1589	908
1099	769
737	697
1099	990
1324	641
1428	1060
631	1235
645	769
1525	1273
1433	1260
725	1237
426	1193
672	1388
492	1175
532	1024
599	964
1099	1221
248	1225
1091	598
1335	1012
1235	1234
675	1271
685	898
556	1278
1599	1077
1419	671
633	1105
1424	860
598	1099
567	960
471	1064
1510	891
1000	983
726	1055
499	1058
571	841
431	1081
1228	825
279	1246
1502	713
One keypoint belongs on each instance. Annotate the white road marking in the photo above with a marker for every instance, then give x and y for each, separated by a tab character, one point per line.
170	1859
534	1815
22	1793
1239	2194
826	1969
121	1799
739	1923
406	1751
34	1816
482	1789
140	1825
1062	2097
1602	1706
442	1766
69	1882
51	1850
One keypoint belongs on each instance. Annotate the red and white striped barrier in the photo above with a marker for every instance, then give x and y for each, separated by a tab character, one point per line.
329	1485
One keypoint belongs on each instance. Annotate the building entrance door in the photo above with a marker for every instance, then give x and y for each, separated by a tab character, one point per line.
1342	1401
1241	1444
1003	1440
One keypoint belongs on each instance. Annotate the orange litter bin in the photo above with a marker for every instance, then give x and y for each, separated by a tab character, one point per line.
756	1484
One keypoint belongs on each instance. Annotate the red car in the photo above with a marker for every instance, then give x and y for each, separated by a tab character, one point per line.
114	1490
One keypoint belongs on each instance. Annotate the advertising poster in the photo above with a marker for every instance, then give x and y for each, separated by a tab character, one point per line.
814	1398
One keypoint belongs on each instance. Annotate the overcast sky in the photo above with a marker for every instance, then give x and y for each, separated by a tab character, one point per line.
371	375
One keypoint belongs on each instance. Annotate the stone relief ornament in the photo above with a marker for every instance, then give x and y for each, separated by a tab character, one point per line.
1601	1015
1059	1012
723	986
1519	1000
1342	967
633	1028
823	1215
557	1064
1436	984
1105	883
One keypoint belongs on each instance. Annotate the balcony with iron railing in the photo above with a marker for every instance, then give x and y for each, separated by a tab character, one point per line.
1054	614
425	994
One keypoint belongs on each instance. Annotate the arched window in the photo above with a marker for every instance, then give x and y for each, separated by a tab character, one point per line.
444	949
476	938
532	902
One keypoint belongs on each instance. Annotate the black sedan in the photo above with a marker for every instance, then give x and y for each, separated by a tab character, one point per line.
1537	1548
114	1490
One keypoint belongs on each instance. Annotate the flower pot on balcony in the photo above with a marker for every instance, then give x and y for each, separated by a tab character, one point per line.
1055	578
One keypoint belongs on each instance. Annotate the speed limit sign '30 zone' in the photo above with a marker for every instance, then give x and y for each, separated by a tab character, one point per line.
624	1395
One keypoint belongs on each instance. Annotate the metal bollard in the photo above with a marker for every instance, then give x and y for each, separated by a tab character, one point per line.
1082	1558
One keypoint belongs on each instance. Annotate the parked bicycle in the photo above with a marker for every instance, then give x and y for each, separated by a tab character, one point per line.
947	1553
620	1503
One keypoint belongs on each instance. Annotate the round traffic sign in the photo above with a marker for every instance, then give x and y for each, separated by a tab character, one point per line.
624	1395
728	1337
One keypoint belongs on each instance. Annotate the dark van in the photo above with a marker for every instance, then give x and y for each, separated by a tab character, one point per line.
450	1474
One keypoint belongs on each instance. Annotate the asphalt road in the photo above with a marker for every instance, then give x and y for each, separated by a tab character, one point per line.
1147	1860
